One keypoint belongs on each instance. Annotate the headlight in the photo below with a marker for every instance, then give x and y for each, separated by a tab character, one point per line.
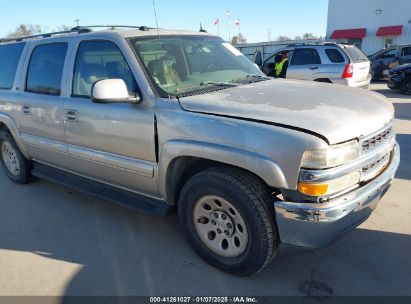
330	187
332	156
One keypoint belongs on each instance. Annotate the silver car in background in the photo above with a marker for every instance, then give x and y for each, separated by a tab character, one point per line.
326	62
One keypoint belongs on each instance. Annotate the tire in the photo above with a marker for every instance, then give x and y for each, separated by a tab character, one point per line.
15	165
406	86
252	243
323	80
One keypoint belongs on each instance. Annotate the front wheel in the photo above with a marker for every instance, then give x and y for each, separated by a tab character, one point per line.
227	215
16	166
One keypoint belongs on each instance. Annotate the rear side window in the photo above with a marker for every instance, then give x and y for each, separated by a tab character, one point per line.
305	56
9	59
406	51
355	54
46	69
334	55
98	60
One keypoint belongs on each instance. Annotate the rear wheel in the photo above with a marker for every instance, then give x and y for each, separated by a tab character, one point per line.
323	80
16	166
406	86
227	215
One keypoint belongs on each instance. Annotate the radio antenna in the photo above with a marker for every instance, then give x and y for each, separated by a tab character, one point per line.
155	15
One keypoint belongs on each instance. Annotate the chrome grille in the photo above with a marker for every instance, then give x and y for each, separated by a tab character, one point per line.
375	168
378	140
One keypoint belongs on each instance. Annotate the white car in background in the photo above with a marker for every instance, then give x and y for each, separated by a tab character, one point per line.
324	62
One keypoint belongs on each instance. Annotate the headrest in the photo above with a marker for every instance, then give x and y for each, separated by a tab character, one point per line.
158	68
94	72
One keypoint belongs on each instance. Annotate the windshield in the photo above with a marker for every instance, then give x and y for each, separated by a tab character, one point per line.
185	64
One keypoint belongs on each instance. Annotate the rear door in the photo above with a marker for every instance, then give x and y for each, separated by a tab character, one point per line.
305	64
360	61
41	104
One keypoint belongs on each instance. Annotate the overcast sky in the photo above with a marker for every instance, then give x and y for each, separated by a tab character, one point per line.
287	17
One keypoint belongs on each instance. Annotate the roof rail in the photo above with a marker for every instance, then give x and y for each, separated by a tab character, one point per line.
302	44
77	29
140	27
46	35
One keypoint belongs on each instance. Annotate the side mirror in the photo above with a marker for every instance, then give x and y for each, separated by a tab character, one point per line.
258	58
112	91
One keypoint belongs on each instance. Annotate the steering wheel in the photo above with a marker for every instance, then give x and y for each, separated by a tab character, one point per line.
210	65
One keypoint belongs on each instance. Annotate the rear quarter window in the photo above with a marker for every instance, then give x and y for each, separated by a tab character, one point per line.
9	60
334	55
355	54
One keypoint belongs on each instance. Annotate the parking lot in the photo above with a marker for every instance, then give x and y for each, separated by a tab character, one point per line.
55	241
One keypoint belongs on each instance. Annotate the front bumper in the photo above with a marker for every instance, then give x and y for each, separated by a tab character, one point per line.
394	82
317	225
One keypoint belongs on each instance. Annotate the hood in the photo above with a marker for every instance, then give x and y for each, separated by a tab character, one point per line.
335	112
400	68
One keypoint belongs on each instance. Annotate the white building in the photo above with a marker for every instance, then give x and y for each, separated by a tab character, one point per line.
370	24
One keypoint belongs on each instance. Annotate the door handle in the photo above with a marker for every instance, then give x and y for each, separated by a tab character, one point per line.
26	110
313	68
71	115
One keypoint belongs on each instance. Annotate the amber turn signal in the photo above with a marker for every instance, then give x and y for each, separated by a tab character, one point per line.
313	189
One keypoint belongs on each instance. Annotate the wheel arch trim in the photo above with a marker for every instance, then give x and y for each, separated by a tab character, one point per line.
259	165
12	127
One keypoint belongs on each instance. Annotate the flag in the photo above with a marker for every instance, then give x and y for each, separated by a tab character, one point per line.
237	22
217	21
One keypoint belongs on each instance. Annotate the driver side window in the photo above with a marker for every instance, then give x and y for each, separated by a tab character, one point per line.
98	60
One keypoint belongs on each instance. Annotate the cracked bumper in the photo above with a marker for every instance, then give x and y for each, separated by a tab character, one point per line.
317	225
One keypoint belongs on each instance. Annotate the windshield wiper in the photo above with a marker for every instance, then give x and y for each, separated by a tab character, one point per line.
218	83
257	76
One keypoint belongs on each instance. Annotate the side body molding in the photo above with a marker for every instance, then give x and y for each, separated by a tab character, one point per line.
261	166
11	125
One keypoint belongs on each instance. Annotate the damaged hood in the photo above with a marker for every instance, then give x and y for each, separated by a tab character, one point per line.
335	112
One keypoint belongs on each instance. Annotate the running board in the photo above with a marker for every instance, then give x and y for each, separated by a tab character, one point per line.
122	197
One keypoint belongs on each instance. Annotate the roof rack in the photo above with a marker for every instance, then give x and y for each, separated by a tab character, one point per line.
312	43
77	29
140	27
47	35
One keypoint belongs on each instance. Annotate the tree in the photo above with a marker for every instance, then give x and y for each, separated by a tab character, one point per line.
309	36
239	39
63	28
283	38
25	30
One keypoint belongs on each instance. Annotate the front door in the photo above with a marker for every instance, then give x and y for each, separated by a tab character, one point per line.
41	106
387	61
113	143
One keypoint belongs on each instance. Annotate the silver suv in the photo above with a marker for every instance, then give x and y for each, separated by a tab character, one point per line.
327	62
171	121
